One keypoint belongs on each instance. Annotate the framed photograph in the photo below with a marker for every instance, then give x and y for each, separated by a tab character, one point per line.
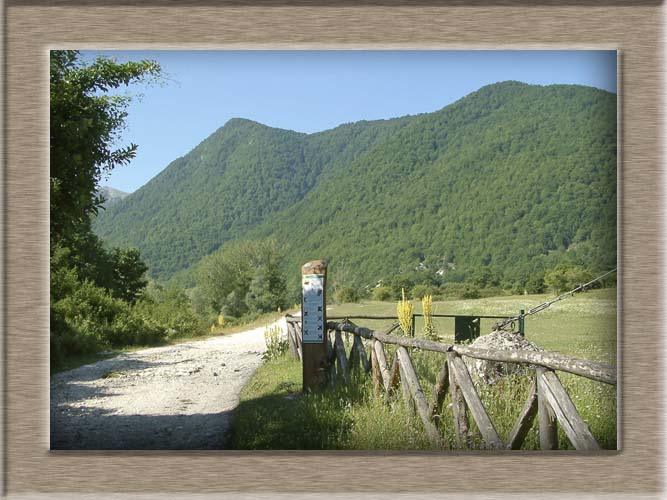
325	115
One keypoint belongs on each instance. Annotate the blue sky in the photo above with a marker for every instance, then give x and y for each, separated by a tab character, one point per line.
309	91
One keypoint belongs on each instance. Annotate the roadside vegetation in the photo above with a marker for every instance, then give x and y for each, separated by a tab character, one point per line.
274	414
101	299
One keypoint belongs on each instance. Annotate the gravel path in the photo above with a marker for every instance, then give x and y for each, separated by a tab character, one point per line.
174	397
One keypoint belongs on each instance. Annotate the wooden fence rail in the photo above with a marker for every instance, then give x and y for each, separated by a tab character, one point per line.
548	401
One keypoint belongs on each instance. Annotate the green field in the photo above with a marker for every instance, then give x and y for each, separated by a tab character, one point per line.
273	414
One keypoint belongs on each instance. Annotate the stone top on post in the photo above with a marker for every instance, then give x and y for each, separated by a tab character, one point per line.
314	267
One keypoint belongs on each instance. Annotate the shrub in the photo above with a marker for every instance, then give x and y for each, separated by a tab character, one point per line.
275	345
401	282
535	283
461	291
346	294
471	292
87	319
383	293
171	311
422	290
565	277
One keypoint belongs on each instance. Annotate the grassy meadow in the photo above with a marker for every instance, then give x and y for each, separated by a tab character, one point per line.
274	414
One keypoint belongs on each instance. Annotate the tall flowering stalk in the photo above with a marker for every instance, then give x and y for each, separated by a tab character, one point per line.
427	310
404	313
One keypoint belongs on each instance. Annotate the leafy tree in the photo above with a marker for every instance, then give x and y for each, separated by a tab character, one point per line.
266	292
535	283
129	273
420	290
565	277
85	124
383	293
346	295
92	289
243	277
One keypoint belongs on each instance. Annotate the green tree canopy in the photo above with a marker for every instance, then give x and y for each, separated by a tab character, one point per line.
94	291
241	277
85	123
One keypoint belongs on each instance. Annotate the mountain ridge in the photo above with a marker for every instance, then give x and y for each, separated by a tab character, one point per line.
418	179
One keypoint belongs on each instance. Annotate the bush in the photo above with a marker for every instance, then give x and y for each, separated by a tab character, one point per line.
471	292
171	310
346	294
91	319
86	318
399	283
461	291
422	290
242	277
383	293
535	283
565	277
130	328
275	345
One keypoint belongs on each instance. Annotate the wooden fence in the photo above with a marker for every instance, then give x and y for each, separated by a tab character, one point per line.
548	401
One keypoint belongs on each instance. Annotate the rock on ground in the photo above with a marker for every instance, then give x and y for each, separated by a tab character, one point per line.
491	371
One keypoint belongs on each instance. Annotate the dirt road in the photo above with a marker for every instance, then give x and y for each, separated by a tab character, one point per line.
175	397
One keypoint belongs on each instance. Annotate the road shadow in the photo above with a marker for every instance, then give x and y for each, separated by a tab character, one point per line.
98	429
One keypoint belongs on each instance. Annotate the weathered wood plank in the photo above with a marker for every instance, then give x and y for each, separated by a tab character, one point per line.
297	335
394	377
343	368
554	361
332	360
458	406
405	388
353	357
417	396
331	355
377	376
384	337
477	410
545	415
525	422
589	369
382	363
439	391
568	417
361	351
291	339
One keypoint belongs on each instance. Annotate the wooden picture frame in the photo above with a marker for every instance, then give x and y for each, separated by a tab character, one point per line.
35	26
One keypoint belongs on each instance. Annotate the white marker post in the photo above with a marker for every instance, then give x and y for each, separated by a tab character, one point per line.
313	325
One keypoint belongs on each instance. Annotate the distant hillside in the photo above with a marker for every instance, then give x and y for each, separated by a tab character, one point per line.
240	176
513	178
112	195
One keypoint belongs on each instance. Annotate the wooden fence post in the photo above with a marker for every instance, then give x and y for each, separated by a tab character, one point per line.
568	417
458	405
292	339
545	415
525	422
313	326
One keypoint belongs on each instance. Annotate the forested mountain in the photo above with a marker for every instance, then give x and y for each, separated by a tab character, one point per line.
241	175
509	181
